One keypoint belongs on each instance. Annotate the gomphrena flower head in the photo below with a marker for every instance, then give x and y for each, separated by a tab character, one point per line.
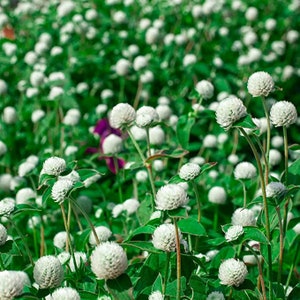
146	116
205	89
217	195
12	284
123	114
229	111
7	206
3	235
156	295
170	196
60	239
48	272
283	113
232	272
54	166
245	170
189	171
215	296
260	84
60	190
233	233
276	190
112	144
243	217
164	237
108	260
64	293
103	234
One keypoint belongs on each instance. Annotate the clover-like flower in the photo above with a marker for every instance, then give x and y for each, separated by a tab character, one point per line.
64	293
245	170
108	260
122	114
217	195
232	272
54	166
60	190
283	113
7	206
103	234
170	196
229	111
275	189
260	84
146	116
3	235
205	89
189	171
243	217
233	233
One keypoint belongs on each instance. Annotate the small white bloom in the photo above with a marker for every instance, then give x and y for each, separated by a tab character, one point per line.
205	89
215	296
3	235
25	168
3	87
55	92
122	67
146	116
131	206
283	113
156	295
233	233
112	144
260	84
164	237
3	148
60	239
24	195
37	115
170	196
65	8
103	234
37	78
60	190
251	13
275	189
64	293
243	217
7	206
210	141
54	166
156	135
80	259
189	59
232	272
141	176
89	181
217	195
9	115
274	157
189	171
122	114
245	170
164	111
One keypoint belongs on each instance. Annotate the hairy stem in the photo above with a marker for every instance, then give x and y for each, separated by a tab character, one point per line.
178	259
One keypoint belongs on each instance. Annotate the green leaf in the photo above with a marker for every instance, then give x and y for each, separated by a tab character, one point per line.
207	166
198	286
176	179
87	173
172	153
25	208
245	122
144	211
191	226
224	253
171	289
6	247
294	173
144	246
294	147
253	233
178	213
184	126
148	229
222	84
120	288
46	179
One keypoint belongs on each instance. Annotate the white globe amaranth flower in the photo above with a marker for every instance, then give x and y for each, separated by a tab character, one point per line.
164	111
283	113
55	93
117	210
54	166
156	135
3	148
122	114
245	170
10	115
243	217
12	284
205	89
141	176
64	257
210	141
260	84
140	62
25	168
3	235
234	232
217	195
24	195
131	206
122	67
232	272
139	134
37	78
274	157
60	190
189	171
108	260
112	144
215	296
37	115
73	176
229	111
156	295
189	59
60	239
7	206
103	234
48	272
89	181
65	8
164	237
146	116
170	196
276	190
64	293
80	260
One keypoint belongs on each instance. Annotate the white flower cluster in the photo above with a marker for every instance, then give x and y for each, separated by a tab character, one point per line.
122	114
283	113
112	144
205	89
245	170
243	217
103	234
275	189
233	233
64	293
189	171
260	84
60	190
146	116
7	206
54	166
3	235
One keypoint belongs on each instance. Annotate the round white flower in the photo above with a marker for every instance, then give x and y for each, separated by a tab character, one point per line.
24	195
189	171
283	113
48	272
170	196
245	170
9	115
37	78
131	206
139	134
108	260
103	234
54	166
205	89
217	195
156	295
274	157
64	293
232	272
189	59
55	92
141	176
7	206
3	235
260	84
3	148
164	111
164	237
3	87
60	239
140	62
229	111
215	296
60	190
243	217
210	141
112	144
234	232
80	260
156	135
275	189
122	114
146	116
251	13
65	8
122	67
25	168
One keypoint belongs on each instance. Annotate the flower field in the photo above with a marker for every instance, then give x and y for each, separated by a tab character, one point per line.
149	150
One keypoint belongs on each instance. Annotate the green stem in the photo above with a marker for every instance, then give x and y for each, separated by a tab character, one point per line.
292	267
178	259
265	205
165	279
196	190
216	216
281	245
244	192
1	263
268	128
286	154
116	165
